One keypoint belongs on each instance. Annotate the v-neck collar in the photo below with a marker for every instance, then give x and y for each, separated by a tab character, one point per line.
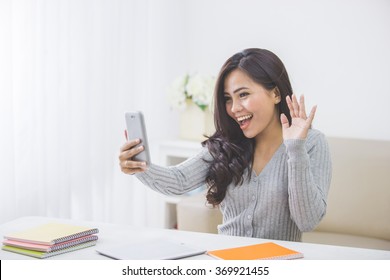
269	163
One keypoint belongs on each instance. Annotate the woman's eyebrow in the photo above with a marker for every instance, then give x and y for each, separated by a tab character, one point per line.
235	91
241	88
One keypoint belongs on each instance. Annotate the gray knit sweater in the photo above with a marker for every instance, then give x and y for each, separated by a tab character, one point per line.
287	198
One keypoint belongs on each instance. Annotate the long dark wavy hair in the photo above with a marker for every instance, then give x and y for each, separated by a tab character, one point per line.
232	152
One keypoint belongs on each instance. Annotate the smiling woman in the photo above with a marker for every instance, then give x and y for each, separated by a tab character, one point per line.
244	97
266	169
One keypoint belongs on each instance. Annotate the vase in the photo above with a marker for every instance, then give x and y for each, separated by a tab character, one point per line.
196	123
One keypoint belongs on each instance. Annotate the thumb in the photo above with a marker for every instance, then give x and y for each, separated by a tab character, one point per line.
284	121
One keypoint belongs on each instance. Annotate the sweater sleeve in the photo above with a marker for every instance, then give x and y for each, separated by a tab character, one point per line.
309	176
179	179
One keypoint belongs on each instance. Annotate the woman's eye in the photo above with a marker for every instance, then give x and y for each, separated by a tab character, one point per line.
243	94
227	98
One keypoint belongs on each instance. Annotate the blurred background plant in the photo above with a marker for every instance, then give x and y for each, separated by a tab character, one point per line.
196	88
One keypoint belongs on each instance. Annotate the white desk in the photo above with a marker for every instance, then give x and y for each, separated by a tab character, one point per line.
111	234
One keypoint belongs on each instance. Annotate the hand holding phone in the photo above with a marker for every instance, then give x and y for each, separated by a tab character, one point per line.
135	125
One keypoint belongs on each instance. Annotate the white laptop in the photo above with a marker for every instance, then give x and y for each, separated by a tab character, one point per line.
154	249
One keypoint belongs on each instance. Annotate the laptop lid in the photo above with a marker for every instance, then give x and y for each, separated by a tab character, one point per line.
156	249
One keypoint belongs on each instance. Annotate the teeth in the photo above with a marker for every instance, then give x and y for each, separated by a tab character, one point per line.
242	118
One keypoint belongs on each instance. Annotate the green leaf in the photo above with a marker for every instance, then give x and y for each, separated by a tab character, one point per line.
202	107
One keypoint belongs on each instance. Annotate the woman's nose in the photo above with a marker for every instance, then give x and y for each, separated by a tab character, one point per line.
236	106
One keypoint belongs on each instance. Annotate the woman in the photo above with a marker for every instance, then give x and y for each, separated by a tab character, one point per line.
265	167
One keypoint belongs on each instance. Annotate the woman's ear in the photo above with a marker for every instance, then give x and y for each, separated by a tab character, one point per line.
277	96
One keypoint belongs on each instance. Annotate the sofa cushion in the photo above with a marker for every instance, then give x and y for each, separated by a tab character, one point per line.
359	196
348	240
193	214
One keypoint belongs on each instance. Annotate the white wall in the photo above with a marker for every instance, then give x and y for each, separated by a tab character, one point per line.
336	52
167	57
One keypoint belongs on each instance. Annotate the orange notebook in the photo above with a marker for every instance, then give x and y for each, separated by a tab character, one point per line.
263	251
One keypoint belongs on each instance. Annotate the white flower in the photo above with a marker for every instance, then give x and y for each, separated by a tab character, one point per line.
177	92
198	88
201	88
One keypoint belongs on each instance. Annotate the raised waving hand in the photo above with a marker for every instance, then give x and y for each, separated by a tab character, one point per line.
300	122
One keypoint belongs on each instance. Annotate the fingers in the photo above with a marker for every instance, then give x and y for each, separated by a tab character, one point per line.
127	152
302	110
130	144
284	121
131	167
131	164
311	115
293	106
297	109
126	136
125	158
290	106
132	171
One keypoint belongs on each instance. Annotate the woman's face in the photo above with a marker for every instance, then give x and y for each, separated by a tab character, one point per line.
250	104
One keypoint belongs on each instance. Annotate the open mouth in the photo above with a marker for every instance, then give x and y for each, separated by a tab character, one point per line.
242	120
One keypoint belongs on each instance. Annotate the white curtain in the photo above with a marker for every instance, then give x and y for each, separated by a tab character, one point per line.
68	71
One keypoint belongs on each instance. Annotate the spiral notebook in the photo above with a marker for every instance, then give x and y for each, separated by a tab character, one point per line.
44	255
51	233
49	248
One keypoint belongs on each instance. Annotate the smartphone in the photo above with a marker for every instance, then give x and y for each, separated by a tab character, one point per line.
136	129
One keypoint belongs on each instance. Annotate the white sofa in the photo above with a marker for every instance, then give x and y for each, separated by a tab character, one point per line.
358	212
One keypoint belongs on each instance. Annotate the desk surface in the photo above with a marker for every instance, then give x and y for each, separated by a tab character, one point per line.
114	234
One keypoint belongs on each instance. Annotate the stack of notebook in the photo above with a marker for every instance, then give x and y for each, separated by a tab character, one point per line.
50	239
